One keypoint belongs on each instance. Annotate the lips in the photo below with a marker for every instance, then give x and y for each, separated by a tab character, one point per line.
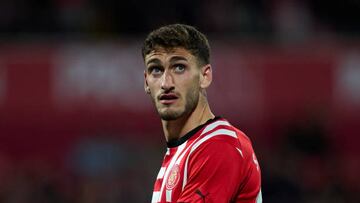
168	98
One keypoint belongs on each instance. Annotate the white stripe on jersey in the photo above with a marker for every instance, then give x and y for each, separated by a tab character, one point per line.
161	173
259	197
240	152
202	140
169	167
168	195
155	197
213	134
214	125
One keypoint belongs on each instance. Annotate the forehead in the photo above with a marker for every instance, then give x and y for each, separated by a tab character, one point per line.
167	54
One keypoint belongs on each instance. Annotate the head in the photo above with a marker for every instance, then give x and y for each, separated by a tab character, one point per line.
177	69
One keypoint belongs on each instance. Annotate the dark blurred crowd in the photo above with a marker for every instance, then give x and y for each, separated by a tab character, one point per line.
96	169
250	18
304	166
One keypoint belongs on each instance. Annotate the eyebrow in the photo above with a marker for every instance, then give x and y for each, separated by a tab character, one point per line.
155	60
172	60
177	58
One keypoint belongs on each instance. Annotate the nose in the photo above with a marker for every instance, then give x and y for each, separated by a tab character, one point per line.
167	82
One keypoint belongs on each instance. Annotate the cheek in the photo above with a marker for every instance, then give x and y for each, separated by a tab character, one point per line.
153	84
192	87
189	79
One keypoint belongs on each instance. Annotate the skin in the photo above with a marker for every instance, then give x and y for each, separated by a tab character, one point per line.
177	85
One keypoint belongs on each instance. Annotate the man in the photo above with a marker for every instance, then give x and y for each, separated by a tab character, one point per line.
207	159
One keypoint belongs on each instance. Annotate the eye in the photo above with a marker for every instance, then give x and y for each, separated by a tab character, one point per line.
155	70
179	68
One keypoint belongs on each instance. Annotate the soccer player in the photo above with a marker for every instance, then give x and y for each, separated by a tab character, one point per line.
207	159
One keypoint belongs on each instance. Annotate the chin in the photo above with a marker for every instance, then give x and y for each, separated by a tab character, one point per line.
170	115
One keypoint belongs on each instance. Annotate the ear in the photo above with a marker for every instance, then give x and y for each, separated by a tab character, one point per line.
146	86
205	76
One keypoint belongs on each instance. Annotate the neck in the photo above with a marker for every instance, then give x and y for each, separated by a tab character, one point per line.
175	129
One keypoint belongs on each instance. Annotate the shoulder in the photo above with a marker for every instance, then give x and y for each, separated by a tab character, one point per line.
216	137
217	153
221	135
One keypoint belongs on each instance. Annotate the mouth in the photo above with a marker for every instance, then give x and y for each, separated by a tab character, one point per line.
168	98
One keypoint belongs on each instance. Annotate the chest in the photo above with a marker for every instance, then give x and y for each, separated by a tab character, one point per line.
172	175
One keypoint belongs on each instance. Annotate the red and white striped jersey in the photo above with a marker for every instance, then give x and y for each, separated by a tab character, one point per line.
214	162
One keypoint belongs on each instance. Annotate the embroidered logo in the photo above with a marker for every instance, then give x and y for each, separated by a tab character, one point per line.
173	178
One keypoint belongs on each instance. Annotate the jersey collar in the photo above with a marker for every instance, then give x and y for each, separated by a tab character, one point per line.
178	142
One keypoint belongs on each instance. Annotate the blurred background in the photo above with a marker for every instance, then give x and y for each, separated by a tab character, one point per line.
77	127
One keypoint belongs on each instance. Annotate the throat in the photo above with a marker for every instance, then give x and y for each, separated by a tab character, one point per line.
173	129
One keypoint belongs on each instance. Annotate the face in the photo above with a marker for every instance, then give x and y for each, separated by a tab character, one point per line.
172	78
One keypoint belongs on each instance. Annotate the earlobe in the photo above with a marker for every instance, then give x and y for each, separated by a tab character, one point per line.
146	86
206	76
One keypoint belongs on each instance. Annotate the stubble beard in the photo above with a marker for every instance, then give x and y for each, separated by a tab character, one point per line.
191	99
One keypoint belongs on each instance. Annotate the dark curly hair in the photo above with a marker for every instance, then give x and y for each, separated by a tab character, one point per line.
179	35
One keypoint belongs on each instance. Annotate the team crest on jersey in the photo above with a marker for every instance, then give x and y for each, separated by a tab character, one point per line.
173	178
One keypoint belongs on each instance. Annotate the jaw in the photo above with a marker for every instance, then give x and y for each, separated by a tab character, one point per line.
170	112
